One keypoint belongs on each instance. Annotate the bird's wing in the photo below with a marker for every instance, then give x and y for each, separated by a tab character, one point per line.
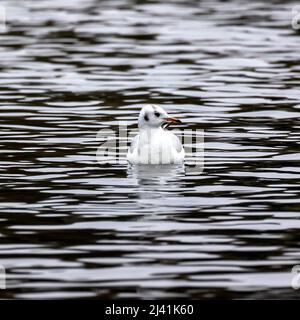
176	143
134	143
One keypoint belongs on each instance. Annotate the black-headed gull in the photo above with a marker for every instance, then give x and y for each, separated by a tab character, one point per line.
155	144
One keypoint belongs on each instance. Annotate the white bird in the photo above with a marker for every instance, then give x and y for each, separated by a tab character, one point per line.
155	144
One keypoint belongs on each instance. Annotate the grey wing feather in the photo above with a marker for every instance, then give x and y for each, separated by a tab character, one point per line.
177	143
134	143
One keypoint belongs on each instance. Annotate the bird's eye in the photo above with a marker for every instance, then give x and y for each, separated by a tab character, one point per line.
157	114
146	117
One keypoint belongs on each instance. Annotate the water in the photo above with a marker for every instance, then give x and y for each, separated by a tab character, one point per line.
72	228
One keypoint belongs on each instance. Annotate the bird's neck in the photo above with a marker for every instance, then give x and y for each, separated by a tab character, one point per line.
150	133
150	129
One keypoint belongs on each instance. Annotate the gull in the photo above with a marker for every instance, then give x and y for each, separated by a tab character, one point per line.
154	144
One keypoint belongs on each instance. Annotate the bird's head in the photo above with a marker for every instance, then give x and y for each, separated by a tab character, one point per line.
153	116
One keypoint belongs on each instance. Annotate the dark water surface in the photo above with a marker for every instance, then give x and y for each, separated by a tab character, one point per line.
71	227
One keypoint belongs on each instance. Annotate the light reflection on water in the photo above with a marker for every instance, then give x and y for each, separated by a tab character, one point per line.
71	227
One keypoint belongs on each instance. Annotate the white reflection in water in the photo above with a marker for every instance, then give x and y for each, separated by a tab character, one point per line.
156	180
69	70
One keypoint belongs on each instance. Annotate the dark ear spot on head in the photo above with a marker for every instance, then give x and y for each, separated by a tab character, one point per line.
146	117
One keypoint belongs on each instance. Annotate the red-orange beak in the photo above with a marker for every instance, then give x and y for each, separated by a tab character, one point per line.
172	120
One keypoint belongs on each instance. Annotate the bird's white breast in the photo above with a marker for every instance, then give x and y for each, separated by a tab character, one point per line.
155	146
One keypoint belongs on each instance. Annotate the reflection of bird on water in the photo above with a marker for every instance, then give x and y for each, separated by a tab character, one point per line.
150	177
156	188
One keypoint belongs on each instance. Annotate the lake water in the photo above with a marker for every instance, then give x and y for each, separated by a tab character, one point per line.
73	228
